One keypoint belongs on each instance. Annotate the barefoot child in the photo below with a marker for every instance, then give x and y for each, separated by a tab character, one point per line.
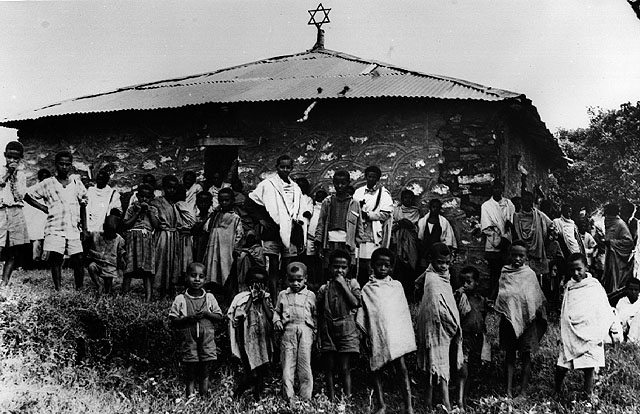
338	301
250	330
439	333
295	317
13	227
473	311
140	220
523	322
194	313
386	321
106	255
585	321
63	198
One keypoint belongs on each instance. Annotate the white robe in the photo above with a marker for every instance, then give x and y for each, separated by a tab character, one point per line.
448	237
99	203
269	193
493	218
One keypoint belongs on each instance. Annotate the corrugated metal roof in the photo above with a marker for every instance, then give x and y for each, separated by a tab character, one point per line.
315	74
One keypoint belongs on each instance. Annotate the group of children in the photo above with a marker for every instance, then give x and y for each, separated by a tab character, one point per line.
177	237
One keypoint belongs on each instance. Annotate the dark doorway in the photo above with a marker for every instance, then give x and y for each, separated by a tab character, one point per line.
219	158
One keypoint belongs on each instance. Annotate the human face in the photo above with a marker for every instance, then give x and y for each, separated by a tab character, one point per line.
382	267
496	191
632	292
102	179
12	157
339	267
110	226
63	167
188	180
406	200
441	263
469	283
284	168
577	270
518	256
567	212
171	189
195	277
340	184
225	201
258	284
372	179
527	204
216	179
296	281
434	208
203	203
144	196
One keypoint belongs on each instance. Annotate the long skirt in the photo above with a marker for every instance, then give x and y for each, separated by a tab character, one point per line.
168	271
140	249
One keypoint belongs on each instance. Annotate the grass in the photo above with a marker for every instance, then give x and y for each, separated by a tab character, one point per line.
72	352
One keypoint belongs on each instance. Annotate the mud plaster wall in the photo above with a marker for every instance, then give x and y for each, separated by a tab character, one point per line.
449	150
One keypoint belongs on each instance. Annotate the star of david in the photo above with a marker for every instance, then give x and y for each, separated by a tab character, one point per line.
325	18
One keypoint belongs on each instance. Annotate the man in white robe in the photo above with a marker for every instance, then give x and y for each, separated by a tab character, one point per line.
101	199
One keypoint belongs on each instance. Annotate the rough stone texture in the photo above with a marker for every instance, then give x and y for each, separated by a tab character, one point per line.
451	150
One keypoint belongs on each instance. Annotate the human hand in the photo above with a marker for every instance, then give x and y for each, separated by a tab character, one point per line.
278	327
365	216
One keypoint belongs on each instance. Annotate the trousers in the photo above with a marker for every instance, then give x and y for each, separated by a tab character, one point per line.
295	356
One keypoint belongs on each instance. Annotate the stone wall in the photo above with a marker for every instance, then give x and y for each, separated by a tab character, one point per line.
451	150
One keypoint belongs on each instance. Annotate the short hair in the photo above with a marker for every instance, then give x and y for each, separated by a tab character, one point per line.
374	169
63	154
565	208
145	187
575	257
228	191
111	220
435	201
304	184
204	194
340	254
471	270
196	264
295	267
149	178
497	183
253	271
321	194
14	146
191	174
382	252
406	192
439	249
611	210
43	173
519	243
284	157
342	174
526	194
168	179
632	281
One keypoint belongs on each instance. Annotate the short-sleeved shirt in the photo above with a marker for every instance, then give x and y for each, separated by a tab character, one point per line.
63	204
14	185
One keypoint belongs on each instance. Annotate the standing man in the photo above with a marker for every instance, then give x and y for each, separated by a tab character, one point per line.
275	205
496	218
532	227
101	199
618	264
64	200
376	205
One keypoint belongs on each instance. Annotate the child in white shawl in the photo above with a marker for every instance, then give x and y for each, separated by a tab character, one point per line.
386	321
585	320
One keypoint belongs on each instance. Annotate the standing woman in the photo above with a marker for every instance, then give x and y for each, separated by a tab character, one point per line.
167	239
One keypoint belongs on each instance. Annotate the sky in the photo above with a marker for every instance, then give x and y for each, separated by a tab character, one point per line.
565	55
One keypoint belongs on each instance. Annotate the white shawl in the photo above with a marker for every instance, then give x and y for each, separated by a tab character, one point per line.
270	194
376	213
448	237
493	218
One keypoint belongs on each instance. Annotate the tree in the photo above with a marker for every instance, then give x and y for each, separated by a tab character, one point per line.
606	158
